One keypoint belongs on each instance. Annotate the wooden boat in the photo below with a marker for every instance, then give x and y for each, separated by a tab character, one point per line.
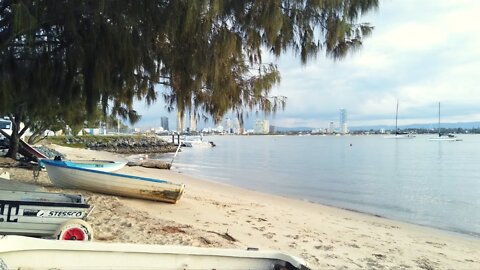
66	176
44	214
18	252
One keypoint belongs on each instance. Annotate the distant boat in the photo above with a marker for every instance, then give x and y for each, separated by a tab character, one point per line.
443	137
65	176
195	141
399	135
17	252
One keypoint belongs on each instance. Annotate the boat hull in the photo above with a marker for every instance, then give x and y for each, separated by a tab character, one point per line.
446	139
65	176
38	213
400	137
27	253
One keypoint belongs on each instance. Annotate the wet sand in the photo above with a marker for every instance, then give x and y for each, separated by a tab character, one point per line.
216	215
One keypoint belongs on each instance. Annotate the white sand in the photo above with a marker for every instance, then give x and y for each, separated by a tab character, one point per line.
326	237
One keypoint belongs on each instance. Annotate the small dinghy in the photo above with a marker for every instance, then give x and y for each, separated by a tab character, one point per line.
64	175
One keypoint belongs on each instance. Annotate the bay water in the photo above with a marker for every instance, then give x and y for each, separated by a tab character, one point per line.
431	183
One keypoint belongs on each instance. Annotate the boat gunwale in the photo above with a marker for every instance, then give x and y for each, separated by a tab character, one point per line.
46	245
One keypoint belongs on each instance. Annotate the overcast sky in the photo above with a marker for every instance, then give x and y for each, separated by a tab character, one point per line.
420	52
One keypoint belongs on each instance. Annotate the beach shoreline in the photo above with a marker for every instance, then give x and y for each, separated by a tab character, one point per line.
214	214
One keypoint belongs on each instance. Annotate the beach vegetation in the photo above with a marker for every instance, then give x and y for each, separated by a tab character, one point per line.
59	60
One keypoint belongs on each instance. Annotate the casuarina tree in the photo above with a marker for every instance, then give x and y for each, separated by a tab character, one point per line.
58	55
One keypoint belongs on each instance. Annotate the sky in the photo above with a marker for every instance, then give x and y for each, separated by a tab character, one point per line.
420	53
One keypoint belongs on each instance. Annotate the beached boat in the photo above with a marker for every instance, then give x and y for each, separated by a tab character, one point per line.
66	176
443	137
18	252
44	214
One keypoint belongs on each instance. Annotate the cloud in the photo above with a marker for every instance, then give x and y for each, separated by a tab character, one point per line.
420	53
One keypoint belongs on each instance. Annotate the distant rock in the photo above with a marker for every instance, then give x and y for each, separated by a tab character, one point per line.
150	163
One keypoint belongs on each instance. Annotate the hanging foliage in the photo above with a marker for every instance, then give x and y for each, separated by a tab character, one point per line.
57	56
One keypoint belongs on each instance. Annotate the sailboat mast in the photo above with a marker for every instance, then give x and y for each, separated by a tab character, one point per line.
439	133
396	120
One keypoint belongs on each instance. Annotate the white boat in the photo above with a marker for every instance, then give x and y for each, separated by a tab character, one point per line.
44	214
98	165
195	141
443	137
66	176
399	135
17	252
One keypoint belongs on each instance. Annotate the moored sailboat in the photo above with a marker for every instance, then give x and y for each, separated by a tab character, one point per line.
443	137
399	135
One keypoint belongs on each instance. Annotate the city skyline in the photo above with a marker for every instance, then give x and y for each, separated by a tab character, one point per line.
420	53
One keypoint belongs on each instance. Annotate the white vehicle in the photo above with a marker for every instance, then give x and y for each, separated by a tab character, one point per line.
6	126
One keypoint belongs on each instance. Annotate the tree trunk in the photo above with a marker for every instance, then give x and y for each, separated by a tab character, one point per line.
17	133
36	137
13	143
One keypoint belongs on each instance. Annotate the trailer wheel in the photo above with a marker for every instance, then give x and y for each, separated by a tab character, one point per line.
74	229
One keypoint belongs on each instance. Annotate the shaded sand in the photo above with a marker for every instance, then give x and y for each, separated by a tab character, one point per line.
217	215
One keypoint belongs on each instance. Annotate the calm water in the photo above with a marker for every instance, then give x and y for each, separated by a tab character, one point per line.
436	184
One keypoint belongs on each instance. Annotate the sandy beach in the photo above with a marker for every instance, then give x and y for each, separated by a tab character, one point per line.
216	215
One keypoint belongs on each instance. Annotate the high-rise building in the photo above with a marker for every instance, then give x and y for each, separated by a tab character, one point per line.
262	127
193	121
180	120
164	123
343	121
238	128
331	127
228	124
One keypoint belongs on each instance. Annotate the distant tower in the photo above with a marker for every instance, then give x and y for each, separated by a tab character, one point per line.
228	124
343	121
180	119
193	121
238	129
331	127
262	126
164	123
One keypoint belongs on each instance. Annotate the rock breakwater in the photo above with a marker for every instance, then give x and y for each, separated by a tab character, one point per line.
124	144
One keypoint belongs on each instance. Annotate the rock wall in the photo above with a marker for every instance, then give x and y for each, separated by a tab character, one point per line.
124	145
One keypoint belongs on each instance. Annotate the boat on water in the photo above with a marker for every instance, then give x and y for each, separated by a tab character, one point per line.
399	135
195	141
44	214
444	137
17	252
66	176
